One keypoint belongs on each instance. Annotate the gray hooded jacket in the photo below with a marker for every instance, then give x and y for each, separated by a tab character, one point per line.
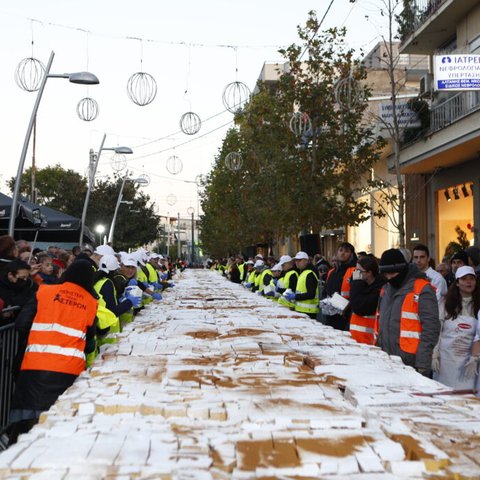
390	307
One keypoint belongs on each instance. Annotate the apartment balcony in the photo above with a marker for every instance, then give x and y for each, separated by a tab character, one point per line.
430	24
453	137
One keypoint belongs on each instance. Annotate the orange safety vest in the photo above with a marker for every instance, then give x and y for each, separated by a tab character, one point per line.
57	337
362	328
410	325
345	288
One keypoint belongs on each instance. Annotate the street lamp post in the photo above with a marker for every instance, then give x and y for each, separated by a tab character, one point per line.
91	178
191	210
139	181
83	78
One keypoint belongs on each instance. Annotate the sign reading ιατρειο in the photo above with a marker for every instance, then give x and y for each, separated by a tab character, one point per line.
457	72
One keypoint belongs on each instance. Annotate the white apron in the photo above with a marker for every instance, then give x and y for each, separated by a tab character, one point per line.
455	348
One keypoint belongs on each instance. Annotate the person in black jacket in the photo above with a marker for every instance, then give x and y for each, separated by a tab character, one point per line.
16	287
338	280
364	294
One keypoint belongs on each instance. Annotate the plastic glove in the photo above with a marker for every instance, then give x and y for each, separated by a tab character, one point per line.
357	275
270	294
157	286
132	283
156	296
249	285
171	284
275	281
436	359
136	301
290	296
471	367
164	276
259	292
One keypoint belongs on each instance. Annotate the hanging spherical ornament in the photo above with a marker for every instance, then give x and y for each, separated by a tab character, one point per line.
200	180
234	161
300	124
141	88
87	109
174	165
347	93
118	162
171	199
190	123
143	180
235	95
29	74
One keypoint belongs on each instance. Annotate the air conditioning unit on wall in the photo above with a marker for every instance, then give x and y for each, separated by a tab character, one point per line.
426	85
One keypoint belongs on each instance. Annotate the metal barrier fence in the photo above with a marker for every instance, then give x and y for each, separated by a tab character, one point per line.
8	350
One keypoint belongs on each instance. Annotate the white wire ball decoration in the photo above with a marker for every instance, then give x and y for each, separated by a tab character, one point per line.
190	123
174	165
144	180
87	109
234	161
347	93
29	74
200	180
118	162
171	199
300	124
235	95
141	88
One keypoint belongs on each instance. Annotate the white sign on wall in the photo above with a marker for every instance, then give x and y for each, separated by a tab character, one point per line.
406	118
457	72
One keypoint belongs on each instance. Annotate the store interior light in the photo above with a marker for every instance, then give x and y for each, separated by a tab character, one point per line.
447	195
465	191
456	194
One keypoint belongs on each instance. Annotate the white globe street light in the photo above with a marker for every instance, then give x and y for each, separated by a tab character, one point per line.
100	229
82	78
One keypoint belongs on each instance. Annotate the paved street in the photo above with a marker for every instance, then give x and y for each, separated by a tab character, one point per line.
216	382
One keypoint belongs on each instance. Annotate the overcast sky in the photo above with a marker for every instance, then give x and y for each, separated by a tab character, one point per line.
185	48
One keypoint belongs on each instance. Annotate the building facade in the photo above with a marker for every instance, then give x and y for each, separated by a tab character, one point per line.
443	166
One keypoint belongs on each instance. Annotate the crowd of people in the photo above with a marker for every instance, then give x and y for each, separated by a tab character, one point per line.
65	305
428	317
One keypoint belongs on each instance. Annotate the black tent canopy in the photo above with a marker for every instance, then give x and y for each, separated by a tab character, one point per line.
52	225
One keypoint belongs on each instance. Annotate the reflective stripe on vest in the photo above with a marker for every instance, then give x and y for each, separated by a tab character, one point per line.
410	325
56	327
362	328
59	346
347	277
306	306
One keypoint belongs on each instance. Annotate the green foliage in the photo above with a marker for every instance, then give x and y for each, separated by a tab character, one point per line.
422	109
65	190
288	184
56	188
461	244
406	19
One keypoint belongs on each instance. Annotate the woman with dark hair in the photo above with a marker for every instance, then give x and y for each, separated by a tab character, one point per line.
8	251
458	315
364	293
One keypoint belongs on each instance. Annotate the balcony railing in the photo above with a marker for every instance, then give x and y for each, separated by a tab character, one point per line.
453	109
415	14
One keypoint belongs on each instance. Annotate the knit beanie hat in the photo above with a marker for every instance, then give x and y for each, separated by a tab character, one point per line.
81	273
461	255
392	261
